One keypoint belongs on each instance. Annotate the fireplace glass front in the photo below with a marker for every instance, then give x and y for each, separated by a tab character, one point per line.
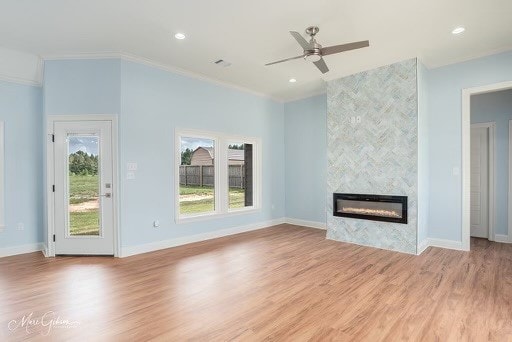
371	207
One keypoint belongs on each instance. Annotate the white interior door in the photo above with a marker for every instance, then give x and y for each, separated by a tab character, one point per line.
480	182
84	212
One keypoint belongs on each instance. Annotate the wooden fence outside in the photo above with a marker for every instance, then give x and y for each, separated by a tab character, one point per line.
203	175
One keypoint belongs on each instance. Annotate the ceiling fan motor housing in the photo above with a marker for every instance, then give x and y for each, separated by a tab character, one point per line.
313	55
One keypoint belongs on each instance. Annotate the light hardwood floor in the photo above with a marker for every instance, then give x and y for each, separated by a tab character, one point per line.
283	283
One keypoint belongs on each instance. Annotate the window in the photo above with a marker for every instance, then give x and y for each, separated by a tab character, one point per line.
197	175
216	175
240	175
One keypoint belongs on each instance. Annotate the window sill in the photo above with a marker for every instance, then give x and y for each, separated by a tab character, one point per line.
213	216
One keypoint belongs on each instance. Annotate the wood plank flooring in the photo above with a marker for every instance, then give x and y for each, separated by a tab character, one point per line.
284	283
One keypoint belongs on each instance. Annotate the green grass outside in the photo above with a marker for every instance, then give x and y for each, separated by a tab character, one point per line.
83	189
84	223
236	198
196	190
206	203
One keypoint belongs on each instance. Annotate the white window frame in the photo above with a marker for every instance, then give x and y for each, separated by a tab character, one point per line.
221	181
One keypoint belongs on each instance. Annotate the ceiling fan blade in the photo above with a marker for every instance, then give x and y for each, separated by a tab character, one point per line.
321	66
285	60
303	42
344	47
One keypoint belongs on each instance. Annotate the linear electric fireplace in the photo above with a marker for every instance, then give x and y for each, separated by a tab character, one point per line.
371	207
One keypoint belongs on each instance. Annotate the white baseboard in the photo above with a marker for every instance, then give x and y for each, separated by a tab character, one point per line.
448	244
501	238
305	223
21	249
155	246
451	244
422	246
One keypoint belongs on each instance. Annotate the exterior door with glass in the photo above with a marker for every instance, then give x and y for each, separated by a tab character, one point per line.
84	210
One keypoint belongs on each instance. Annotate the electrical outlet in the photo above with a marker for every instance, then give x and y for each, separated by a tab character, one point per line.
20	226
130	175
358	119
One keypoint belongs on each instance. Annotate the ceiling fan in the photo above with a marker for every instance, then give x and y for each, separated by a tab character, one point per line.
314	52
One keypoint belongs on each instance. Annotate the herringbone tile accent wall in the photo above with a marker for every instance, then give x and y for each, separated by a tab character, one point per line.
378	155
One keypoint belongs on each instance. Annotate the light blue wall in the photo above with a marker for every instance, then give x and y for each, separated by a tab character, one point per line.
497	107
306	158
423	153
440	139
21	111
153	104
445	145
77	87
90	86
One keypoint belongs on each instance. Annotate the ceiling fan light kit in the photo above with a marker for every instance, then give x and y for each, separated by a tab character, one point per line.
314	52
313	57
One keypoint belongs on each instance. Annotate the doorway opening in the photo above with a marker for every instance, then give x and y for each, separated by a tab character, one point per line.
479	191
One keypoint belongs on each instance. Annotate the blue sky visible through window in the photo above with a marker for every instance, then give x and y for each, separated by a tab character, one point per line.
87	144
193	143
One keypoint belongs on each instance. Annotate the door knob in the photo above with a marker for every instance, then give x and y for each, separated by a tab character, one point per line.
107	195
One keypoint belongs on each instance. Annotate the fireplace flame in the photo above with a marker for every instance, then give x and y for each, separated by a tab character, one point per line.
373	212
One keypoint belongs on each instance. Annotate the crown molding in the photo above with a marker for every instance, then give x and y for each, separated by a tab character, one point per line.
35	82
149	62
469	58
82	55
169	68
165	67
306	95
21	81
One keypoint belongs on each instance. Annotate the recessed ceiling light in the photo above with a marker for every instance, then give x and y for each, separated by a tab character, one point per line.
179	36
292	80
458	30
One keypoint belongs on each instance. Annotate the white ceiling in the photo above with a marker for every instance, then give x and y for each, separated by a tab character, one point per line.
251	33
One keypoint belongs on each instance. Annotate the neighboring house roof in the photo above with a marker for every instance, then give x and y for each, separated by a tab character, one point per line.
209	149
232	153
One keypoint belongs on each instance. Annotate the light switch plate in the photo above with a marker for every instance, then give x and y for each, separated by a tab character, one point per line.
131	166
